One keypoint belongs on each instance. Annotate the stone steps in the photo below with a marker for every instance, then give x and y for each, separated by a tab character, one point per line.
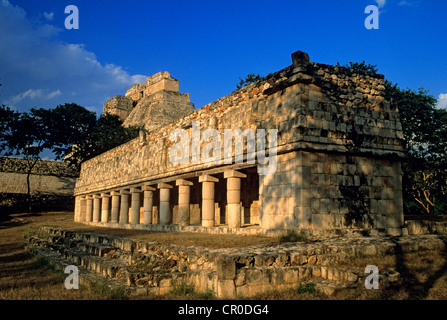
154	267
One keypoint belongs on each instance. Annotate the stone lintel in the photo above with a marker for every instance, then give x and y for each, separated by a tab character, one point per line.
135	190
114	193
163	185
105	195
207	178
124	191
96	196
234	174
182	182
148	188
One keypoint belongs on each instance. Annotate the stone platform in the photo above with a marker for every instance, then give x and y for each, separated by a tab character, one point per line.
152	268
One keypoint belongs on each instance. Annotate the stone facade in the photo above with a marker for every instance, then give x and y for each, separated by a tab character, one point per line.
334	144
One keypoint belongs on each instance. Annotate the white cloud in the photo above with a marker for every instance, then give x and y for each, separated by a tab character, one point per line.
53	95
381	3
30	94
38	70
49	15
442	100
33	95
409	3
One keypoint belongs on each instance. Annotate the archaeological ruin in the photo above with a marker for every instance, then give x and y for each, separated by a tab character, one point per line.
321	151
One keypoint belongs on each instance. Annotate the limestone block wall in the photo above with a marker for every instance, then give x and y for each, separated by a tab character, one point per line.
16	183
120	106
332	191
48	177
159	109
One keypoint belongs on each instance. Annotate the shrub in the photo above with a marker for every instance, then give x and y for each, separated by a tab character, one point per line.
292	235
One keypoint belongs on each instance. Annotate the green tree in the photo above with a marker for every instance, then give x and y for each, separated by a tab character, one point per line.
424	129
106	133
25	135
360	67
76	134
250	78
7	117
70	125
70	131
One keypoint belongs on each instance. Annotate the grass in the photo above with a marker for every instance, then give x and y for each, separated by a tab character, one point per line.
26	277
292	235
307	288
65	220
183	288
102	289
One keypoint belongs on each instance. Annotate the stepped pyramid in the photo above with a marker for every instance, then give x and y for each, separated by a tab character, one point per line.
151	104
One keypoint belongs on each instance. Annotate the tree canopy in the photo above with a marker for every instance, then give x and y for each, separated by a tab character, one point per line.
70	131
424	127
250	78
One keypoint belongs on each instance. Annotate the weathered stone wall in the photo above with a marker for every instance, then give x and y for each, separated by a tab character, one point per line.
338	143
120	106
158	109
16	183
332	191
47	177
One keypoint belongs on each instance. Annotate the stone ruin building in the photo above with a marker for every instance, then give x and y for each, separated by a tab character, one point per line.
152	104
337	152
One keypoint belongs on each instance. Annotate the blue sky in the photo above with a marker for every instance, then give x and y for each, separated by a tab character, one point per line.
207	45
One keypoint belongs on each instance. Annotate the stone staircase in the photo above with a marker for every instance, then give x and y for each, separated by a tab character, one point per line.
153	268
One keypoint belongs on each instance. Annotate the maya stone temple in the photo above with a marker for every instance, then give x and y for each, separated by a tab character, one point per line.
336	150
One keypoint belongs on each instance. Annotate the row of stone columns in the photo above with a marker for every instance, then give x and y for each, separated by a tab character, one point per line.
95	208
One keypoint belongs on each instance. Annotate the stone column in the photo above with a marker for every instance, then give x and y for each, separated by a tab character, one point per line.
208	206
184	191
96	208
115	206
77	211
135	207
105	207
234	197
124	208
89	209
83	209
148	203
165	205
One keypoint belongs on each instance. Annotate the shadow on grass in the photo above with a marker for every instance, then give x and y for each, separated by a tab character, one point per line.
415	288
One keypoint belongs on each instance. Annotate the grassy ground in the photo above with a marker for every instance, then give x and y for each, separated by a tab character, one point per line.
65	220
23	276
